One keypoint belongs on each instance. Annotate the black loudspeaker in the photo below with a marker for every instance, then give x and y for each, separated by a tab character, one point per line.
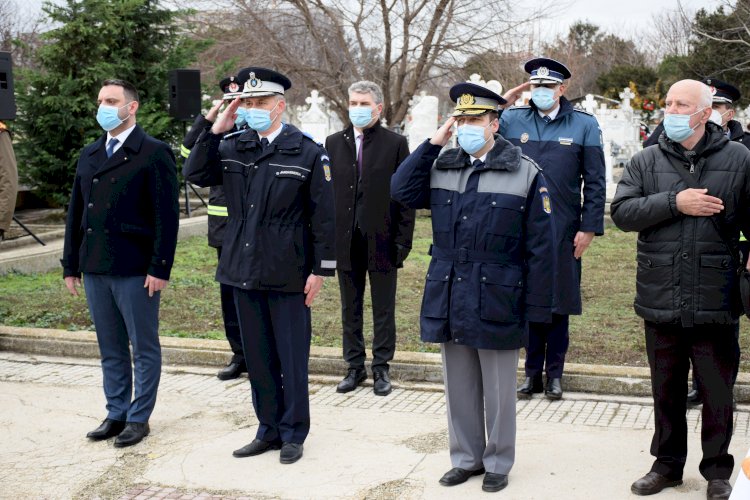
7	98
184	94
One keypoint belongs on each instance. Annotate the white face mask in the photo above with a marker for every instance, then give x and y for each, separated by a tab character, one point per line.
718	118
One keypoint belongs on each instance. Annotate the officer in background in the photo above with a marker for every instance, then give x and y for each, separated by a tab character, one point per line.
567	145
8	180
489	274
278	246
217	221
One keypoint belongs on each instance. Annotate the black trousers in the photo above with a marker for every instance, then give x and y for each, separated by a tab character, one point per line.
548	344
276	333
383	294
711	349
231	323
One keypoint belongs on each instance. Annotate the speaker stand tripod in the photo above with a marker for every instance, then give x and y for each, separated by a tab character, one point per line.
29	231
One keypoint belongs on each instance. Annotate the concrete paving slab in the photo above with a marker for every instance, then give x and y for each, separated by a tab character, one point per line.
360	446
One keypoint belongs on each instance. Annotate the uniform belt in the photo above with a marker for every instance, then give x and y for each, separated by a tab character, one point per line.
217	210
462	255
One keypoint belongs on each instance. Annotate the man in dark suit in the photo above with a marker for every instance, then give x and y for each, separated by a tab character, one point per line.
121	233
373	232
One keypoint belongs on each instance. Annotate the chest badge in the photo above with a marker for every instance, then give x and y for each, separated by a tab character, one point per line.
524	138
327	171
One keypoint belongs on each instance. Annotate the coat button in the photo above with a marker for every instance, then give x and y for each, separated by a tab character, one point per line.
724	263
683	304
446	276
494	203
113	180
484	278
448	201
648	262
247	244
684	255
522	207
163	262
464	217
91	205
96	181
89	230
251	206
459	279
244	284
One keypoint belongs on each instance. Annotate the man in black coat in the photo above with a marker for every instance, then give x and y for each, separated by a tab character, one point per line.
121	233
688	198
217	222
373	232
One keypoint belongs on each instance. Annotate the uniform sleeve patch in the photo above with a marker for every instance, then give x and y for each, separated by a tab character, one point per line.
546	204
327	171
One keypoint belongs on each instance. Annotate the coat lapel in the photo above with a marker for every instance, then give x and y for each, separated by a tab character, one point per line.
123	155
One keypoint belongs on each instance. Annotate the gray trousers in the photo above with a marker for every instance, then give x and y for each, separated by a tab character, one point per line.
480	391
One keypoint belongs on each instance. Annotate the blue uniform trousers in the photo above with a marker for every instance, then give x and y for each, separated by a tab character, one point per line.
276	331
548	344
122	313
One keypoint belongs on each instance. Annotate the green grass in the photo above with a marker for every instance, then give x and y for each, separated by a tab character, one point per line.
608	332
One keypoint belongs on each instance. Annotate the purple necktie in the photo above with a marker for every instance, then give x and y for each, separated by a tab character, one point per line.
359	154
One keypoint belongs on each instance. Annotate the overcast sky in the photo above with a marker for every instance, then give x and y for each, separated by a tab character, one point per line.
621	17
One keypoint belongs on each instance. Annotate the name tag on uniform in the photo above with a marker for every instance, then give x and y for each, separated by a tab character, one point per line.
565	141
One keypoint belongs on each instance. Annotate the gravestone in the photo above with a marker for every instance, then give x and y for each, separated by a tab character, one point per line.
423	119
315	121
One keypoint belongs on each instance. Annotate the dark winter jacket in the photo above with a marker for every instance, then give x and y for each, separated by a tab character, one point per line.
685	271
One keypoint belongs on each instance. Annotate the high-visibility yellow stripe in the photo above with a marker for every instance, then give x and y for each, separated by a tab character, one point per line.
184	151
742	237
217	210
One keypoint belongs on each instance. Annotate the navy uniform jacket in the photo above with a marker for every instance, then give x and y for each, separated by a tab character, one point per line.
124	211
569	152
280	227
491	268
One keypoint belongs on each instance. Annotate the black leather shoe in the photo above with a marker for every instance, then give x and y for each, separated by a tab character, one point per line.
694	398
718	489
494	482
382	383
354	377
290	453
257	447
133	433
530	386
653	483
231	371
108	428
554	389
458	475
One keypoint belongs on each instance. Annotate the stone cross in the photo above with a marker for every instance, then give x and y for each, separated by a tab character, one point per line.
590	103
476	79
314	100
626	95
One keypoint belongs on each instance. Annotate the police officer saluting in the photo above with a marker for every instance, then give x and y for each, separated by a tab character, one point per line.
217	222
278	245
489	275
566	143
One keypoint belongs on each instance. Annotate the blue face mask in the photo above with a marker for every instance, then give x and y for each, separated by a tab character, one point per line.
471	138
259	119
241	119
543	98
361	116
108	117
677	127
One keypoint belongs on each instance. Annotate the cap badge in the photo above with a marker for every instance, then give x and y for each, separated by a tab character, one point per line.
466	100
234	87
542	71
713	90
524	138
254	82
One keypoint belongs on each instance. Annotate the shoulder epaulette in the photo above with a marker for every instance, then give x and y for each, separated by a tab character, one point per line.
583	111
306	134
530	160
525	106
232	134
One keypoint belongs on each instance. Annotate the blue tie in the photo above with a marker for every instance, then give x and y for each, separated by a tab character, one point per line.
547	119
264	143
477	163
111	146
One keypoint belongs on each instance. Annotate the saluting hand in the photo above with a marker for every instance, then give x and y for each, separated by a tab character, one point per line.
514	94
312	287
225	121
213	113
444	133
696	202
